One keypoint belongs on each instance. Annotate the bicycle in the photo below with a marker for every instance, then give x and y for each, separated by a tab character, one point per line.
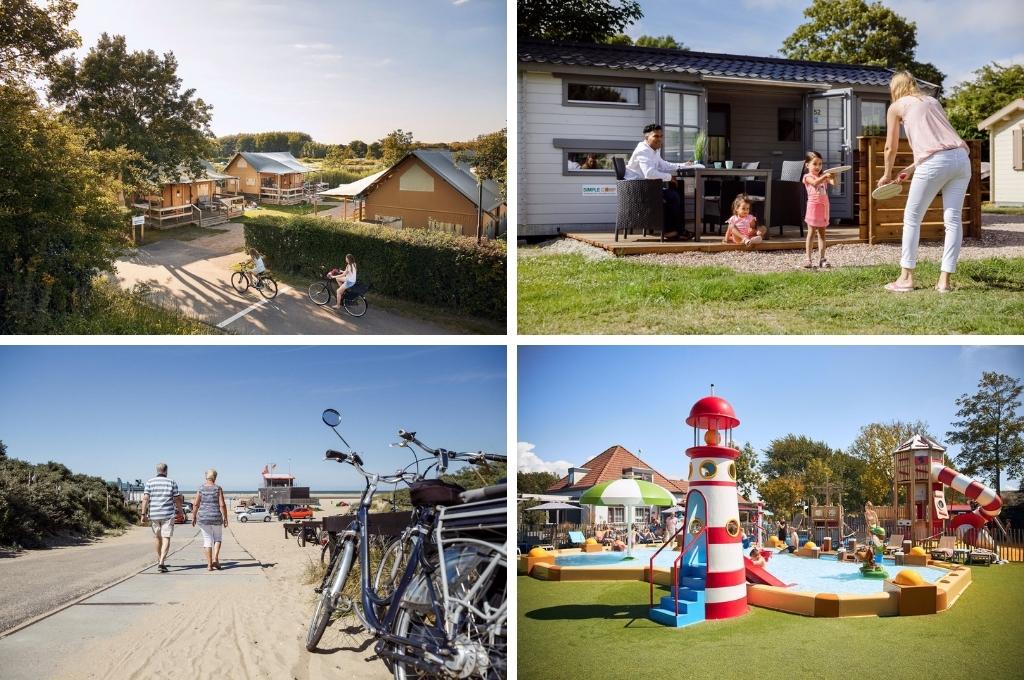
438	602
354	302
243	277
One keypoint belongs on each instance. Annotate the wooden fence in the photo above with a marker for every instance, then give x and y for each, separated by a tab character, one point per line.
883	220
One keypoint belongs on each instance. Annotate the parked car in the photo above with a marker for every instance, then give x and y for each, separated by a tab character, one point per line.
188	507
180	516
254	513
296	513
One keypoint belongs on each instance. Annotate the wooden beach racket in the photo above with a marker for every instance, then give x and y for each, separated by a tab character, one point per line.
894	188
837	170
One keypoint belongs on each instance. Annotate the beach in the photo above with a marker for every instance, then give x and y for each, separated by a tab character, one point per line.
248	620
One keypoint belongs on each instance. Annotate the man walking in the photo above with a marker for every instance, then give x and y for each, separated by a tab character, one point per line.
160	503
647	163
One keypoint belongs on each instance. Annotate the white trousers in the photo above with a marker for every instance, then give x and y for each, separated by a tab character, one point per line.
947	171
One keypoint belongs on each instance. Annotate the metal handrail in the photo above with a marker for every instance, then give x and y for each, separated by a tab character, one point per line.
650	570
675	565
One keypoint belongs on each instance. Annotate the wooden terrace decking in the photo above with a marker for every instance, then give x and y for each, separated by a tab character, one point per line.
711	243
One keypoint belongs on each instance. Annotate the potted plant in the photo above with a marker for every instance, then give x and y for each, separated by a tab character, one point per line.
700	144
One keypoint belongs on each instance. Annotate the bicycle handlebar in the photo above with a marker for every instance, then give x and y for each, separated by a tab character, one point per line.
356	461
475	457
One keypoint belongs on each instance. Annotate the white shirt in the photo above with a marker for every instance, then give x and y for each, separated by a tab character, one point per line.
646	163
258	266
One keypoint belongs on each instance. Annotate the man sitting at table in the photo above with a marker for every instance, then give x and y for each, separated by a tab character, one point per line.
647	163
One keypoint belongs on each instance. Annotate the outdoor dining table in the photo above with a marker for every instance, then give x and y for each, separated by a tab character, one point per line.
701	173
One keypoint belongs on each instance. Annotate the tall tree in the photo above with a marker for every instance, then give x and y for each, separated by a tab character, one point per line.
32	36
396	144
374	150
3	450
488	154
358	147
134	100
781	494
535	482
855	32
972	101
990	432
791	454
748	473
666	42
590	21
875	444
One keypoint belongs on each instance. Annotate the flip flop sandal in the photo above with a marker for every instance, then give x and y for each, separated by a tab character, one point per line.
808	265
893	288
825	264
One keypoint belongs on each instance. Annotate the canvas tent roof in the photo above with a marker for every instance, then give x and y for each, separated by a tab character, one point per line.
273	162
353	189
458	175
183	176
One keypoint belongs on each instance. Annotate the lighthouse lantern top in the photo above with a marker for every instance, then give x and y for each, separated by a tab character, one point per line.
712	413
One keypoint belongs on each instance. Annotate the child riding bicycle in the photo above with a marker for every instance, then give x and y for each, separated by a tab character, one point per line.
257	266
345	279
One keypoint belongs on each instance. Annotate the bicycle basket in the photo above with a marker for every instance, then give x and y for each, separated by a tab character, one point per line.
434	492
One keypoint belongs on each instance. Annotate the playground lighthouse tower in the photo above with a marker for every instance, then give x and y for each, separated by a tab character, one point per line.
711	582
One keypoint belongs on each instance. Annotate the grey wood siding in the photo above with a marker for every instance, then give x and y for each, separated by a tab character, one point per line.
754	124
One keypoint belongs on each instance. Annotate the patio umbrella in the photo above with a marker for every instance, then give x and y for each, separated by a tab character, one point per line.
629	493
557	507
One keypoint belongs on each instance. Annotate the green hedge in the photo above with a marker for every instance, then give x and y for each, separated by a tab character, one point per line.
417	265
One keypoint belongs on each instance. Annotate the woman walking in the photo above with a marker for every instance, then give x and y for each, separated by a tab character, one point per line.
942	164
211	513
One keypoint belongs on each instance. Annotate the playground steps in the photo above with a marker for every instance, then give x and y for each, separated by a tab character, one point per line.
690	597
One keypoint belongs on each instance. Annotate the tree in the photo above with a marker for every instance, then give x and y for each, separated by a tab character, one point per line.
31	37
394	146
781	494
748	475
791	454
989	433
972	101
488	154
590	21
848	471
60	223
875	444
664	42
134	100
855	32
535	482
3	450
358	147
374	150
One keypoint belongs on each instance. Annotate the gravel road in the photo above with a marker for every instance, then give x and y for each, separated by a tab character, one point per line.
37	581
1001	236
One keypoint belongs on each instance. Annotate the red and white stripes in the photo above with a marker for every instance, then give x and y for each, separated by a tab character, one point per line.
989	504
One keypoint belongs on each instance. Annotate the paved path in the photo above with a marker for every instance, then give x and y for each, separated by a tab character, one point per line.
195	276
46	648
39	581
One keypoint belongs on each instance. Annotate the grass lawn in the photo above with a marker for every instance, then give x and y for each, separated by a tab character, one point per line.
1001	210
289	210
567	294
601	630
188	232
116	312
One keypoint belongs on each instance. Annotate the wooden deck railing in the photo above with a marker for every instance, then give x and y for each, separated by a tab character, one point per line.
883	220
282	196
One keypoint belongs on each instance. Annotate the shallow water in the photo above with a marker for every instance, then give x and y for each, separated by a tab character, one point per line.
825	575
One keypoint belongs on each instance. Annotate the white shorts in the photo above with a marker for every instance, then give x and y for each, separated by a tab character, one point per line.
347	284
211	534
162	527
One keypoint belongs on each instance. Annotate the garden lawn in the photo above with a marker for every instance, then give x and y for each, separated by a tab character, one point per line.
568	294
188	232
601	630
289	210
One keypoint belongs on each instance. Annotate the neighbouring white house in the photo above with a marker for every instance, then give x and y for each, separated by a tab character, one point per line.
580	105
1006	153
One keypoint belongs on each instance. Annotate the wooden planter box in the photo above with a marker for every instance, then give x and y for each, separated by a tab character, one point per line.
914	600
813	553
593	548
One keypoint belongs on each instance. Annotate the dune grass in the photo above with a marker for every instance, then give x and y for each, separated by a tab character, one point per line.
601	630
567	294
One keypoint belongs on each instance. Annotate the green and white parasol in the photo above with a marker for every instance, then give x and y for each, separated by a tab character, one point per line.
629	493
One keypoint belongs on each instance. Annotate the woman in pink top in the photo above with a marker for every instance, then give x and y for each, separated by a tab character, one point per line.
941	162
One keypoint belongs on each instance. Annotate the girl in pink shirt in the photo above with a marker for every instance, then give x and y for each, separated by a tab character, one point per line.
817	215
743	229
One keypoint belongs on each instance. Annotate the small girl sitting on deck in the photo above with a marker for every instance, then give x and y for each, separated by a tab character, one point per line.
817	215
743	228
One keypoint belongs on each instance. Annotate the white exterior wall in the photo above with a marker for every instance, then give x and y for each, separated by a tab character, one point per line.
547	199
1007	183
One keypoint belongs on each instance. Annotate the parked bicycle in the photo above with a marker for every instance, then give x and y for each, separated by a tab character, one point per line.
437	604
244	277
354	302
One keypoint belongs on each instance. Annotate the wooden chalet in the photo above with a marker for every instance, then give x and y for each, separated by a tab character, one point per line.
270	177
208	199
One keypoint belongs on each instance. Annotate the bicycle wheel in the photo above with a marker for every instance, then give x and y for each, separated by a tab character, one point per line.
268	288
390	569
240	282
476	612
320	293
330	588
355	305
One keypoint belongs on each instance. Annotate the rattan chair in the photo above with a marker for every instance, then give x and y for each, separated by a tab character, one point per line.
640	204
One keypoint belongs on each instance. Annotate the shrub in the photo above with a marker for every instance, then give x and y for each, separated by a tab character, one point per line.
421	266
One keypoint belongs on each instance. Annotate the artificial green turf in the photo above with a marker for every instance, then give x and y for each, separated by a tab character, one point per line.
568	294
601	630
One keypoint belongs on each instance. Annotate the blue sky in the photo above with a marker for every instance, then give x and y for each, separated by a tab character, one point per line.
574	402
118	411
957	36
338	70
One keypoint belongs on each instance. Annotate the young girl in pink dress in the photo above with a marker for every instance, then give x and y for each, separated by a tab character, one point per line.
816	218
743	228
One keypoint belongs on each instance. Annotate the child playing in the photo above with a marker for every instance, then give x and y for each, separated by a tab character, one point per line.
743	229
345	279
756	559
817	205
258	268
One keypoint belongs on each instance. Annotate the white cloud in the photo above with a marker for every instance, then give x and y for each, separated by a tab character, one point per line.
459	2
528	461
312	46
